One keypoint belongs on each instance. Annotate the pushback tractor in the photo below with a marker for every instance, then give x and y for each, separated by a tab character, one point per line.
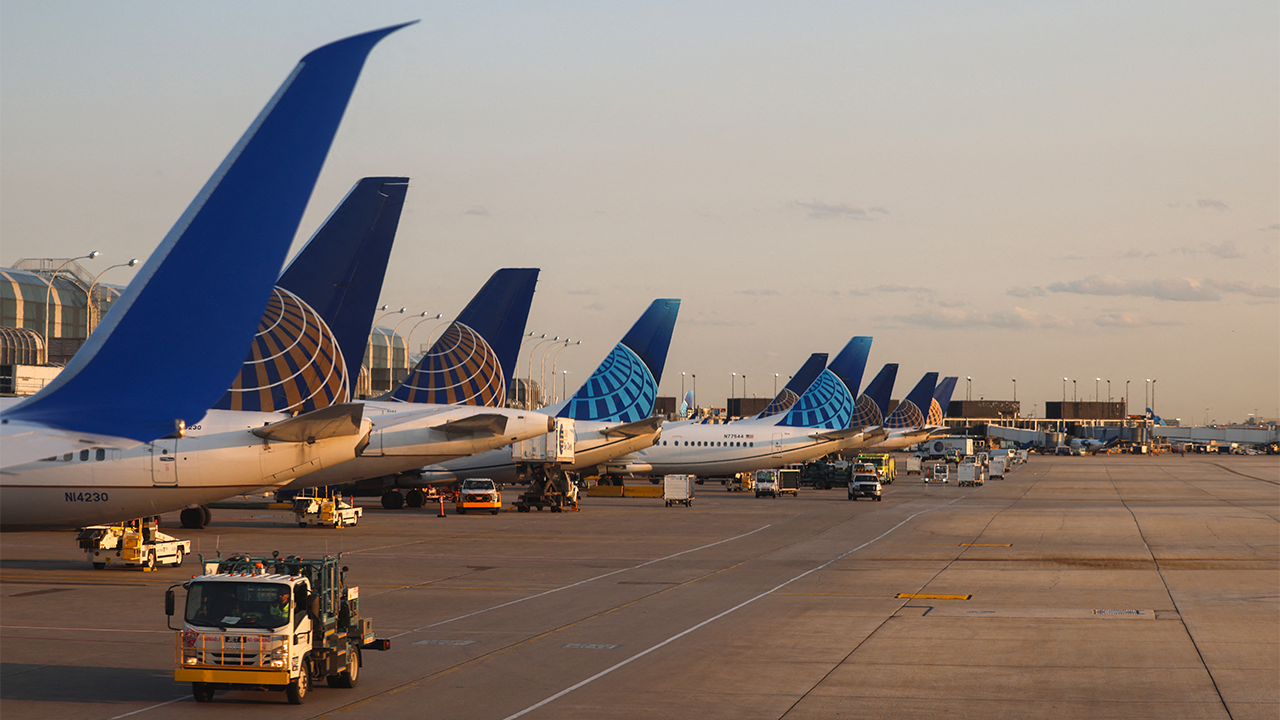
258	623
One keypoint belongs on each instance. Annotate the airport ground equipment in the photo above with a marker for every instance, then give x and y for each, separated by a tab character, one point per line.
270	623
826	474
776	483
936	473
970	474
136	543
886	467
324	509
996	468
541	462
740	482
677	489
865	485
938	448
915	465
789	481
478	494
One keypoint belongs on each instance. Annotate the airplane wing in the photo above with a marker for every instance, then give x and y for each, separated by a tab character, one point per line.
166	352
339	420
646	426
873	434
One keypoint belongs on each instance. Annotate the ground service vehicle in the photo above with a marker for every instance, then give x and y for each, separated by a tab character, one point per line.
789	481
258	623
954	445
996	468
766	483
824	475
541	462
936	473
741	481
865	485
677	489
970	474
915	465
884	464
324	509
136	543
478	494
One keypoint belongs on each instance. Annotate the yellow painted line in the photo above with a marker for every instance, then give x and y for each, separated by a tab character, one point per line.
986	544
832	595
915	596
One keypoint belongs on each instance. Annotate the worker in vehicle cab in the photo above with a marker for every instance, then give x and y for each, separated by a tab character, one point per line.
280	609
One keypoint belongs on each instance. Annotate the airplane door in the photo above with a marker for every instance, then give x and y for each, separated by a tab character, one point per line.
164	462
777	445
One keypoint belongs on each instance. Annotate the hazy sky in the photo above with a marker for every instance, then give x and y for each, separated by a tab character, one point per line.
991	189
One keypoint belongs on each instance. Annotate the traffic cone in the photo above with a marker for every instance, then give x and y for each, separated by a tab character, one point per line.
441	507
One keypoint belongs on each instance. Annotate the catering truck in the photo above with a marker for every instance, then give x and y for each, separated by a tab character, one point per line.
269	623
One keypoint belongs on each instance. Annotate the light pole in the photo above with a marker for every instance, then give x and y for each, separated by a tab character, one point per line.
744	386
542	371
92	322
536	344
1096	381
1073	392
695	389
564	384
48	293
775	384
415	327
1126	398
733	383
556	357
390	350
1108	390
968	388
681	386
396	329
1015	389
1146	395
1153	397
1064	389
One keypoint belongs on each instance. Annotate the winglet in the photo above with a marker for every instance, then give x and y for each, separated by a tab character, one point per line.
166	351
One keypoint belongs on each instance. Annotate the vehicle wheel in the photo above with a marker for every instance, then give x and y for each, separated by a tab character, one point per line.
462	511
351	675
879	499
493	512
302	523
415	498
150	563
190	518
296	691
178	560
202	692
206	517
99	566
392	500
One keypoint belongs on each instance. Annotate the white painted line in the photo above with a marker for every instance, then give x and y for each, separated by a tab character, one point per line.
581	582
152	707
710	620
71	629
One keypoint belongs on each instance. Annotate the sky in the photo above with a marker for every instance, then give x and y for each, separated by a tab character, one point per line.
996	190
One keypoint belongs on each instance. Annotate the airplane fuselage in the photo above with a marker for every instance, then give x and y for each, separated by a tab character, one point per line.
217	458
721	450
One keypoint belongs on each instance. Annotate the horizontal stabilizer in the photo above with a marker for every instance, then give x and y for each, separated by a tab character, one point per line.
638	428
340	420
482	424
869	434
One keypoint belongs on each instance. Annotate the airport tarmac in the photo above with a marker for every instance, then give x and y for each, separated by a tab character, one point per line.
1077	587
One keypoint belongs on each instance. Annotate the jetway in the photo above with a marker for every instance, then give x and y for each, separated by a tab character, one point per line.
1220	435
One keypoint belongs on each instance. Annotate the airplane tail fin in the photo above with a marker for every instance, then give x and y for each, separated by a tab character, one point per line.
625	385
475	358
941	401
827	404
239	226
324	302
851	362
910	413
873	405
686	407
796	386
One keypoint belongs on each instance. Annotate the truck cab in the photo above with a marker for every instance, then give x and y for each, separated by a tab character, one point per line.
865	485
766	483
478	494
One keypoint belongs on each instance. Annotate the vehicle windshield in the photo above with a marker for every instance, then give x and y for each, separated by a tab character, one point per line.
477	484
238	604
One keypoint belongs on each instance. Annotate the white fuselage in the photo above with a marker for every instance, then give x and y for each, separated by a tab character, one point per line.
217	458
405	437
722	450
591	447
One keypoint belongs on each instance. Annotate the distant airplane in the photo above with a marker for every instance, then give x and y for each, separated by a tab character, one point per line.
89	425
612	411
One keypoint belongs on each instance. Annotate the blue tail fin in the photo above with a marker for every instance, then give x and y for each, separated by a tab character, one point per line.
475	359
910	413
873	405
129	381
796	386
852	362
625	385
827	404
941	401
687	406
298	361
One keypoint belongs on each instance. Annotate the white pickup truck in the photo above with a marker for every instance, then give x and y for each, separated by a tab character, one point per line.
865	485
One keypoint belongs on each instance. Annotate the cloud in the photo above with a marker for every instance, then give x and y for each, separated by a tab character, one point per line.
903	289
1211	204
1226	250
1014	319
1272	227
952	303
1026	292
822	211
1129	320
477	210
1137	255
1176	289
758	292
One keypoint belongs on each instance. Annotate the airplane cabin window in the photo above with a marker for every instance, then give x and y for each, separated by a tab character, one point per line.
84	455
67	457
102	454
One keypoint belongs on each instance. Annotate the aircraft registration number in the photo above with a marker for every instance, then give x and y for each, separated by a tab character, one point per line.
86	497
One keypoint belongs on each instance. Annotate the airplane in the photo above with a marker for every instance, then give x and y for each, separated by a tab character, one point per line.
907	425
121	434
612	411
816	425
798	383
